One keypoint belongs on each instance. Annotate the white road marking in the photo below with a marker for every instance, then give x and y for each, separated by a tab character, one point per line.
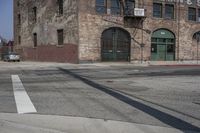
23	101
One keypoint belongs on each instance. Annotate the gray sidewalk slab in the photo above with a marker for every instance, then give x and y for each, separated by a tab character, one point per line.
13	123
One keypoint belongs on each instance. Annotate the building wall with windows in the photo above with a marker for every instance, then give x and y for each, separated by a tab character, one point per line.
94	19
107	30
46	30
179	19
183	24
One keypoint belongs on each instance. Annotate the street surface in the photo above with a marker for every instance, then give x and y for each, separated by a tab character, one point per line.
101	97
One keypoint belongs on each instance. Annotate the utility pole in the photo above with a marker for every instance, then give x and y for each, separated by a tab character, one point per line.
178	37
142	44
198	40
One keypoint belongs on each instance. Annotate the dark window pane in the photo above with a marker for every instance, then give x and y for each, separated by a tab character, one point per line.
60	6
170	48
154	48
100	9
19	19
157	10
35	14
115	7
192	14
35	39
100	2
153	39
129	7
169	11
18	3
19	39
170	40
100	6
60	37
161	40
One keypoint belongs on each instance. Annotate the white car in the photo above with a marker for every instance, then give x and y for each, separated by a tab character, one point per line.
12	57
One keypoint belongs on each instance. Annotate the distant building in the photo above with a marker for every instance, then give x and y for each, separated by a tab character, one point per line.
107	30
8	47
3	42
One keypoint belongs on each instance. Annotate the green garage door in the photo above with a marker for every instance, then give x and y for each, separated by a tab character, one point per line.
163	46
115	45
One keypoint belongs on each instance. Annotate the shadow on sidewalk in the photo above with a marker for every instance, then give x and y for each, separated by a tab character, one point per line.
162	116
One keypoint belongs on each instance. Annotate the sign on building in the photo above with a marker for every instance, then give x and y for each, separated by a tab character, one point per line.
139	12
188	2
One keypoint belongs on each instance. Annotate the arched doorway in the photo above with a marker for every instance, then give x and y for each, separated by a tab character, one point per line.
196	36
115	45
163	45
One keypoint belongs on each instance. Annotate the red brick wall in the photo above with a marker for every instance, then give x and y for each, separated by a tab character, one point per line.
51	53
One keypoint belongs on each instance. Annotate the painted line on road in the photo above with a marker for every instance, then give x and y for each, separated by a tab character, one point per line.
23	101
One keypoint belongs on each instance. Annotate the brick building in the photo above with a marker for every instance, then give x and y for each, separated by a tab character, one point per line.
107	30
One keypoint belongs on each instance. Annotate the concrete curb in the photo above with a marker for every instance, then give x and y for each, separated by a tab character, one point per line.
101	64
14	123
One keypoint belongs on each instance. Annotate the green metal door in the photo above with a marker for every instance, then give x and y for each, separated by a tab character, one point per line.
115	45
161	52
163	46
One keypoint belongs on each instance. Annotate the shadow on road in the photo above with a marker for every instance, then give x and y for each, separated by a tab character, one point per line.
162	116
195	72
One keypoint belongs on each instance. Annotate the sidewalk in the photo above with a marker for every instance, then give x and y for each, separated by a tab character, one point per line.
100	64
14	123
167	63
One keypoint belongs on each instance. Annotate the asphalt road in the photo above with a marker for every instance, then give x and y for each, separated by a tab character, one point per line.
164	96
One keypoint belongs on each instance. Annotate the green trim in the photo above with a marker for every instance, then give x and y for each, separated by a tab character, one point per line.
162	42
163	34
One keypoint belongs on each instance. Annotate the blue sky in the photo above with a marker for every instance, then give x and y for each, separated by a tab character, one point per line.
6	19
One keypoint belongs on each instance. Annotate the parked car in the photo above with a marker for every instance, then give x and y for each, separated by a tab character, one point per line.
11	57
